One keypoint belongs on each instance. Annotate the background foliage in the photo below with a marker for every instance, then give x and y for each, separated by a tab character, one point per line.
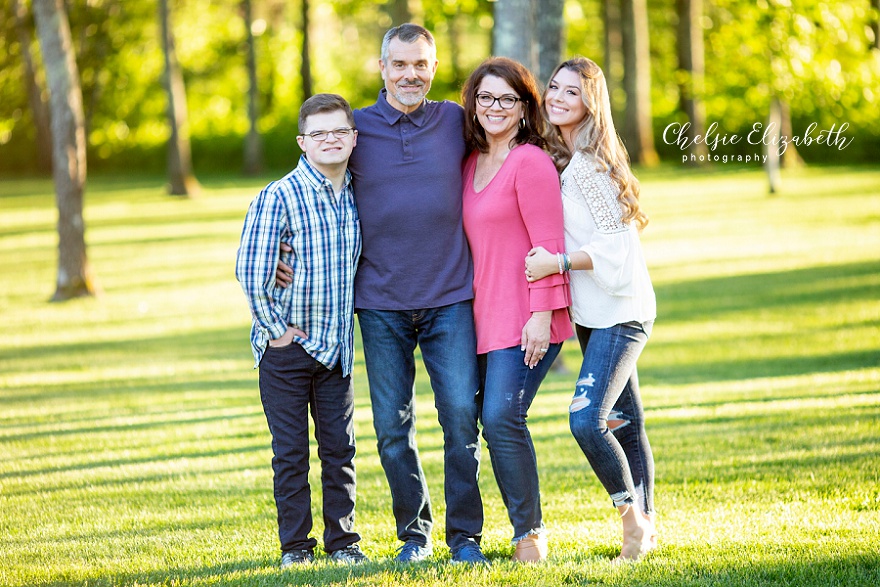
817	55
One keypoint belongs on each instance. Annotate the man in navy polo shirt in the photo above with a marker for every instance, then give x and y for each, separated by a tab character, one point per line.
414	287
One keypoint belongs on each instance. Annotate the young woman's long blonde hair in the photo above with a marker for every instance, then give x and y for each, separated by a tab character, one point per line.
597	137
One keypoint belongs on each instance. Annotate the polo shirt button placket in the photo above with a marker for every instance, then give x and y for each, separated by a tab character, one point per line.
407	150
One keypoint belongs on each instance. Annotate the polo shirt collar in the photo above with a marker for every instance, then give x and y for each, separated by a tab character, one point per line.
393	115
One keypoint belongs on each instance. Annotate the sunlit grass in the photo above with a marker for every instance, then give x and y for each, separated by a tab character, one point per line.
135	450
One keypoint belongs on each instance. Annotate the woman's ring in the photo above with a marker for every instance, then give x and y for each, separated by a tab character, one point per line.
544	350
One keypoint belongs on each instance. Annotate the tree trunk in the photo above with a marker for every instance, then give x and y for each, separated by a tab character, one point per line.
691	56
181	181
791	158
639	136
513	33
613	66
550	37
39	108
875	24
276	15
399	12
98	46
69	148
305	68
454	32
771	150
253	144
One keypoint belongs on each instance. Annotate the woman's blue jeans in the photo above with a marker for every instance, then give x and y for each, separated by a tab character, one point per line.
507	388
606	414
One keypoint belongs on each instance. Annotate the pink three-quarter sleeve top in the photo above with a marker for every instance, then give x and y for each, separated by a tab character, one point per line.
519	209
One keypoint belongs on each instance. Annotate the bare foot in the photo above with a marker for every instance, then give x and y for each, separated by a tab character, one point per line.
639	535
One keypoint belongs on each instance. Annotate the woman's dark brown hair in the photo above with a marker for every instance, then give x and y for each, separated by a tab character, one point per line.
523	83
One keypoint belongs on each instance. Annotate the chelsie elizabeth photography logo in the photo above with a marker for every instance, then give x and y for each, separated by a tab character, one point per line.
765	135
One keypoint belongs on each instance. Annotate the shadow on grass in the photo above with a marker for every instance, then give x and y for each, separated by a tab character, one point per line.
680	302
728	567
750	368
204	344
129	461
781	293
700	299
795	444
221	344
797	395
735	564
124	483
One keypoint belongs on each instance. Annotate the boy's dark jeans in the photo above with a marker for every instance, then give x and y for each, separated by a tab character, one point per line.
292	383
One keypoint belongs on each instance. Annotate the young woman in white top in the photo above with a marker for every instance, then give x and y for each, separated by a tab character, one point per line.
613	301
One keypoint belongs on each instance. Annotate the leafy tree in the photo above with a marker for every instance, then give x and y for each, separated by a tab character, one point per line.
69	148
818	58
809	54
464	38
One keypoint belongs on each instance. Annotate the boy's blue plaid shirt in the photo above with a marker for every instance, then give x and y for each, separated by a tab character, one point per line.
324	231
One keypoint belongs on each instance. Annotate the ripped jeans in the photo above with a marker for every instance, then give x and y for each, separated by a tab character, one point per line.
507	388
606	415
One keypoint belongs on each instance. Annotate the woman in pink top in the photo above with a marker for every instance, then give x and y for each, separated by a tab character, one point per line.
511	204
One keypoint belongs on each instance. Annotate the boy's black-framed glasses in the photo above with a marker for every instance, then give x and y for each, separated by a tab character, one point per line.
321	135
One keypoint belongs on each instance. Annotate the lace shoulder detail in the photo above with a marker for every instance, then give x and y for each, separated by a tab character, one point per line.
600	194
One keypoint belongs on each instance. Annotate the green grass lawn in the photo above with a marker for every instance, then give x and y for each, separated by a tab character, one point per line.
134	450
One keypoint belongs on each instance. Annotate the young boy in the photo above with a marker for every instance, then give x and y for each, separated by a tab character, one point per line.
303	335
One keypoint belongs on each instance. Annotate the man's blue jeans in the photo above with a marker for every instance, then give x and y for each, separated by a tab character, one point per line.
508	388
607	417
447	340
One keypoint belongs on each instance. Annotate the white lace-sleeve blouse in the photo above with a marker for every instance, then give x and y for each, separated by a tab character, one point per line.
618	288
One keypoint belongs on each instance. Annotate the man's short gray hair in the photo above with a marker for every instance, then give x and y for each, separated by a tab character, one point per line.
408	33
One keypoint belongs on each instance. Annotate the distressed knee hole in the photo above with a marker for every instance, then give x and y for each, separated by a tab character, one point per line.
580	399
578	404
587	381
616	420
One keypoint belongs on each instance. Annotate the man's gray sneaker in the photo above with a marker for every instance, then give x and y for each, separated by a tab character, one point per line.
350	555
296	557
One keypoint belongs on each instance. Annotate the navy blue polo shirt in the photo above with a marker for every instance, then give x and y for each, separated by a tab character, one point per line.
406	171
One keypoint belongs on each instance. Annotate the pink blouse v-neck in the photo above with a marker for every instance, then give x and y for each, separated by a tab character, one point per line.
520	208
